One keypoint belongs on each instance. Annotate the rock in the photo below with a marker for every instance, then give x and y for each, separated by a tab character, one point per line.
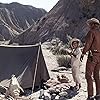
62	98
15	18
51	82
52	90
63	94
66	19
57	90
53	96
2	97
57	97
63	79
2	89
59	69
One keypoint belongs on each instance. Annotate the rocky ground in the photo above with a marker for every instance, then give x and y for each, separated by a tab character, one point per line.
51	63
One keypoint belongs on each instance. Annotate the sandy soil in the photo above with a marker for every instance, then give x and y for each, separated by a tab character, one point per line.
51	63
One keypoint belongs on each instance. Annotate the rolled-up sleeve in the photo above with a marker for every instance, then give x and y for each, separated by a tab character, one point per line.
88	42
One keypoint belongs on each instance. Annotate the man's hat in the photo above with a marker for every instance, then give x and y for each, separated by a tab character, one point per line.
93	20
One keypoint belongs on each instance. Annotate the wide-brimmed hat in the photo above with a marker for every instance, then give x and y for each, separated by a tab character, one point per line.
93	20
75	40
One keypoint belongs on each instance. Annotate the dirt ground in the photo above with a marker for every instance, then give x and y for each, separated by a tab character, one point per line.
51	63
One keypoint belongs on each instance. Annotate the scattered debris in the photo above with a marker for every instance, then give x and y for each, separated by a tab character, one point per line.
63	79
58	69
59	89
14	88
52	82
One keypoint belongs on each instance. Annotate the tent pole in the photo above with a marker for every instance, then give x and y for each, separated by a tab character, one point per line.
36	66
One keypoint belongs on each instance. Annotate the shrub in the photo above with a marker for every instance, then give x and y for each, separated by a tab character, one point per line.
64	60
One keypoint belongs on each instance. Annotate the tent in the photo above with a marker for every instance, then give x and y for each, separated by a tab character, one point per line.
22	61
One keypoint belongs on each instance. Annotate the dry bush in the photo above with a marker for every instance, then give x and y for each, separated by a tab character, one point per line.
55	49
64	60
60	50
58	47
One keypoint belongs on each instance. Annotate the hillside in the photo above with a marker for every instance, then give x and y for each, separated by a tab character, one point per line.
18	17
66	19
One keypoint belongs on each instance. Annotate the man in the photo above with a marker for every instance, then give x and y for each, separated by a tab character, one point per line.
93	62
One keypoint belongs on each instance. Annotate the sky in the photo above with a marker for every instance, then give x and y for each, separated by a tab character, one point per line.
46	4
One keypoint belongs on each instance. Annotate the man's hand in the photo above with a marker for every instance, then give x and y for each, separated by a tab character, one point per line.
81	58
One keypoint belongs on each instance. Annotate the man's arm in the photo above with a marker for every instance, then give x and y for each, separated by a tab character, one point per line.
88	42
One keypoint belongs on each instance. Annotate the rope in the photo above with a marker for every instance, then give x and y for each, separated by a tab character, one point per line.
37	60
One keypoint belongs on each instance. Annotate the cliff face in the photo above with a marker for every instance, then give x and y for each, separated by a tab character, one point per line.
66	19
17	17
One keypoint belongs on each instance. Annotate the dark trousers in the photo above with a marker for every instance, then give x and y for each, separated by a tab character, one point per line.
93	73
